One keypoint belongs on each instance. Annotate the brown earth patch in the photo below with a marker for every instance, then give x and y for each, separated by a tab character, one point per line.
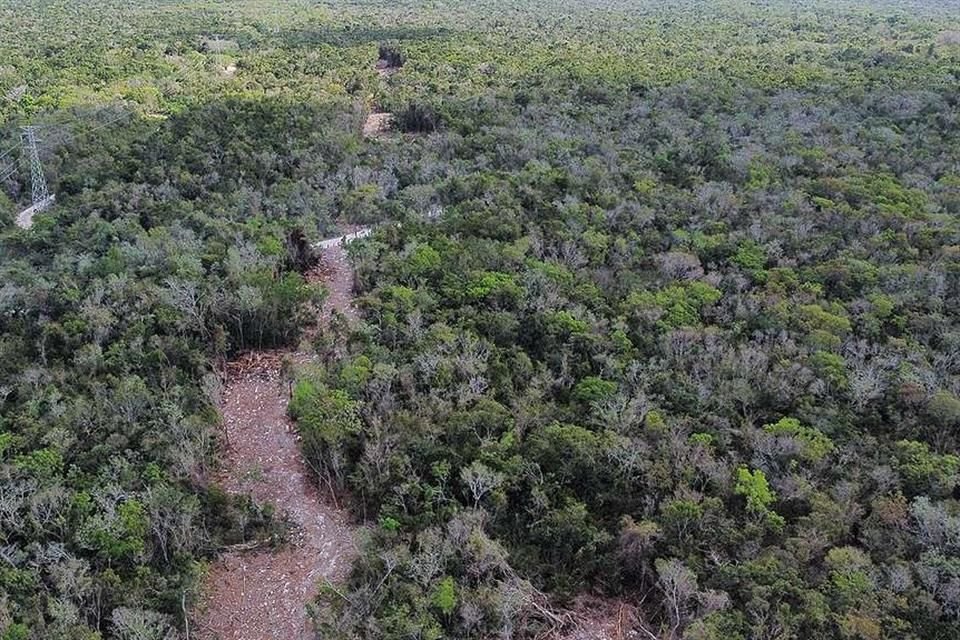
384	69
377	124
601	619
263	595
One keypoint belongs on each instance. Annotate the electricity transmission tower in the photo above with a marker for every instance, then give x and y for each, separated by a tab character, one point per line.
38	182
32	146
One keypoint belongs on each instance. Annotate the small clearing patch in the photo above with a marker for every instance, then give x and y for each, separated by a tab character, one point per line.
25	217
601	619
377	124
385	69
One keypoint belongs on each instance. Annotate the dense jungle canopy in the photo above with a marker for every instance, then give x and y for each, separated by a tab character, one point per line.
670	318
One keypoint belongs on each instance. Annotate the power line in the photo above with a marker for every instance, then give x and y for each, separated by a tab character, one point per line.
64	137
4	154
124	114
33	145
14	165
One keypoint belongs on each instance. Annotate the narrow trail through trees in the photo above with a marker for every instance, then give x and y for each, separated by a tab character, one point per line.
378	123
262	595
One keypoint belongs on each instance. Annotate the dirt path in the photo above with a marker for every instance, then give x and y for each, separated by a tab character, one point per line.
378	123
263	595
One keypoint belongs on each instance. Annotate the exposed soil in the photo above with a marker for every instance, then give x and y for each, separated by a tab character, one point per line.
377	124
262	595
601	619
25	217
385	69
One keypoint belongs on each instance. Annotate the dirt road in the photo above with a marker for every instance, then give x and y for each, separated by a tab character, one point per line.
263	595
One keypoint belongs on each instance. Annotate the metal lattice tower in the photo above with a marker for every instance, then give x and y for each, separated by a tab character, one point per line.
37	180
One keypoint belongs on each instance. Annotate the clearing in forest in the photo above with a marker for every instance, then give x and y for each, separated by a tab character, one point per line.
377	124
25	217
262	595
597	618
385	70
